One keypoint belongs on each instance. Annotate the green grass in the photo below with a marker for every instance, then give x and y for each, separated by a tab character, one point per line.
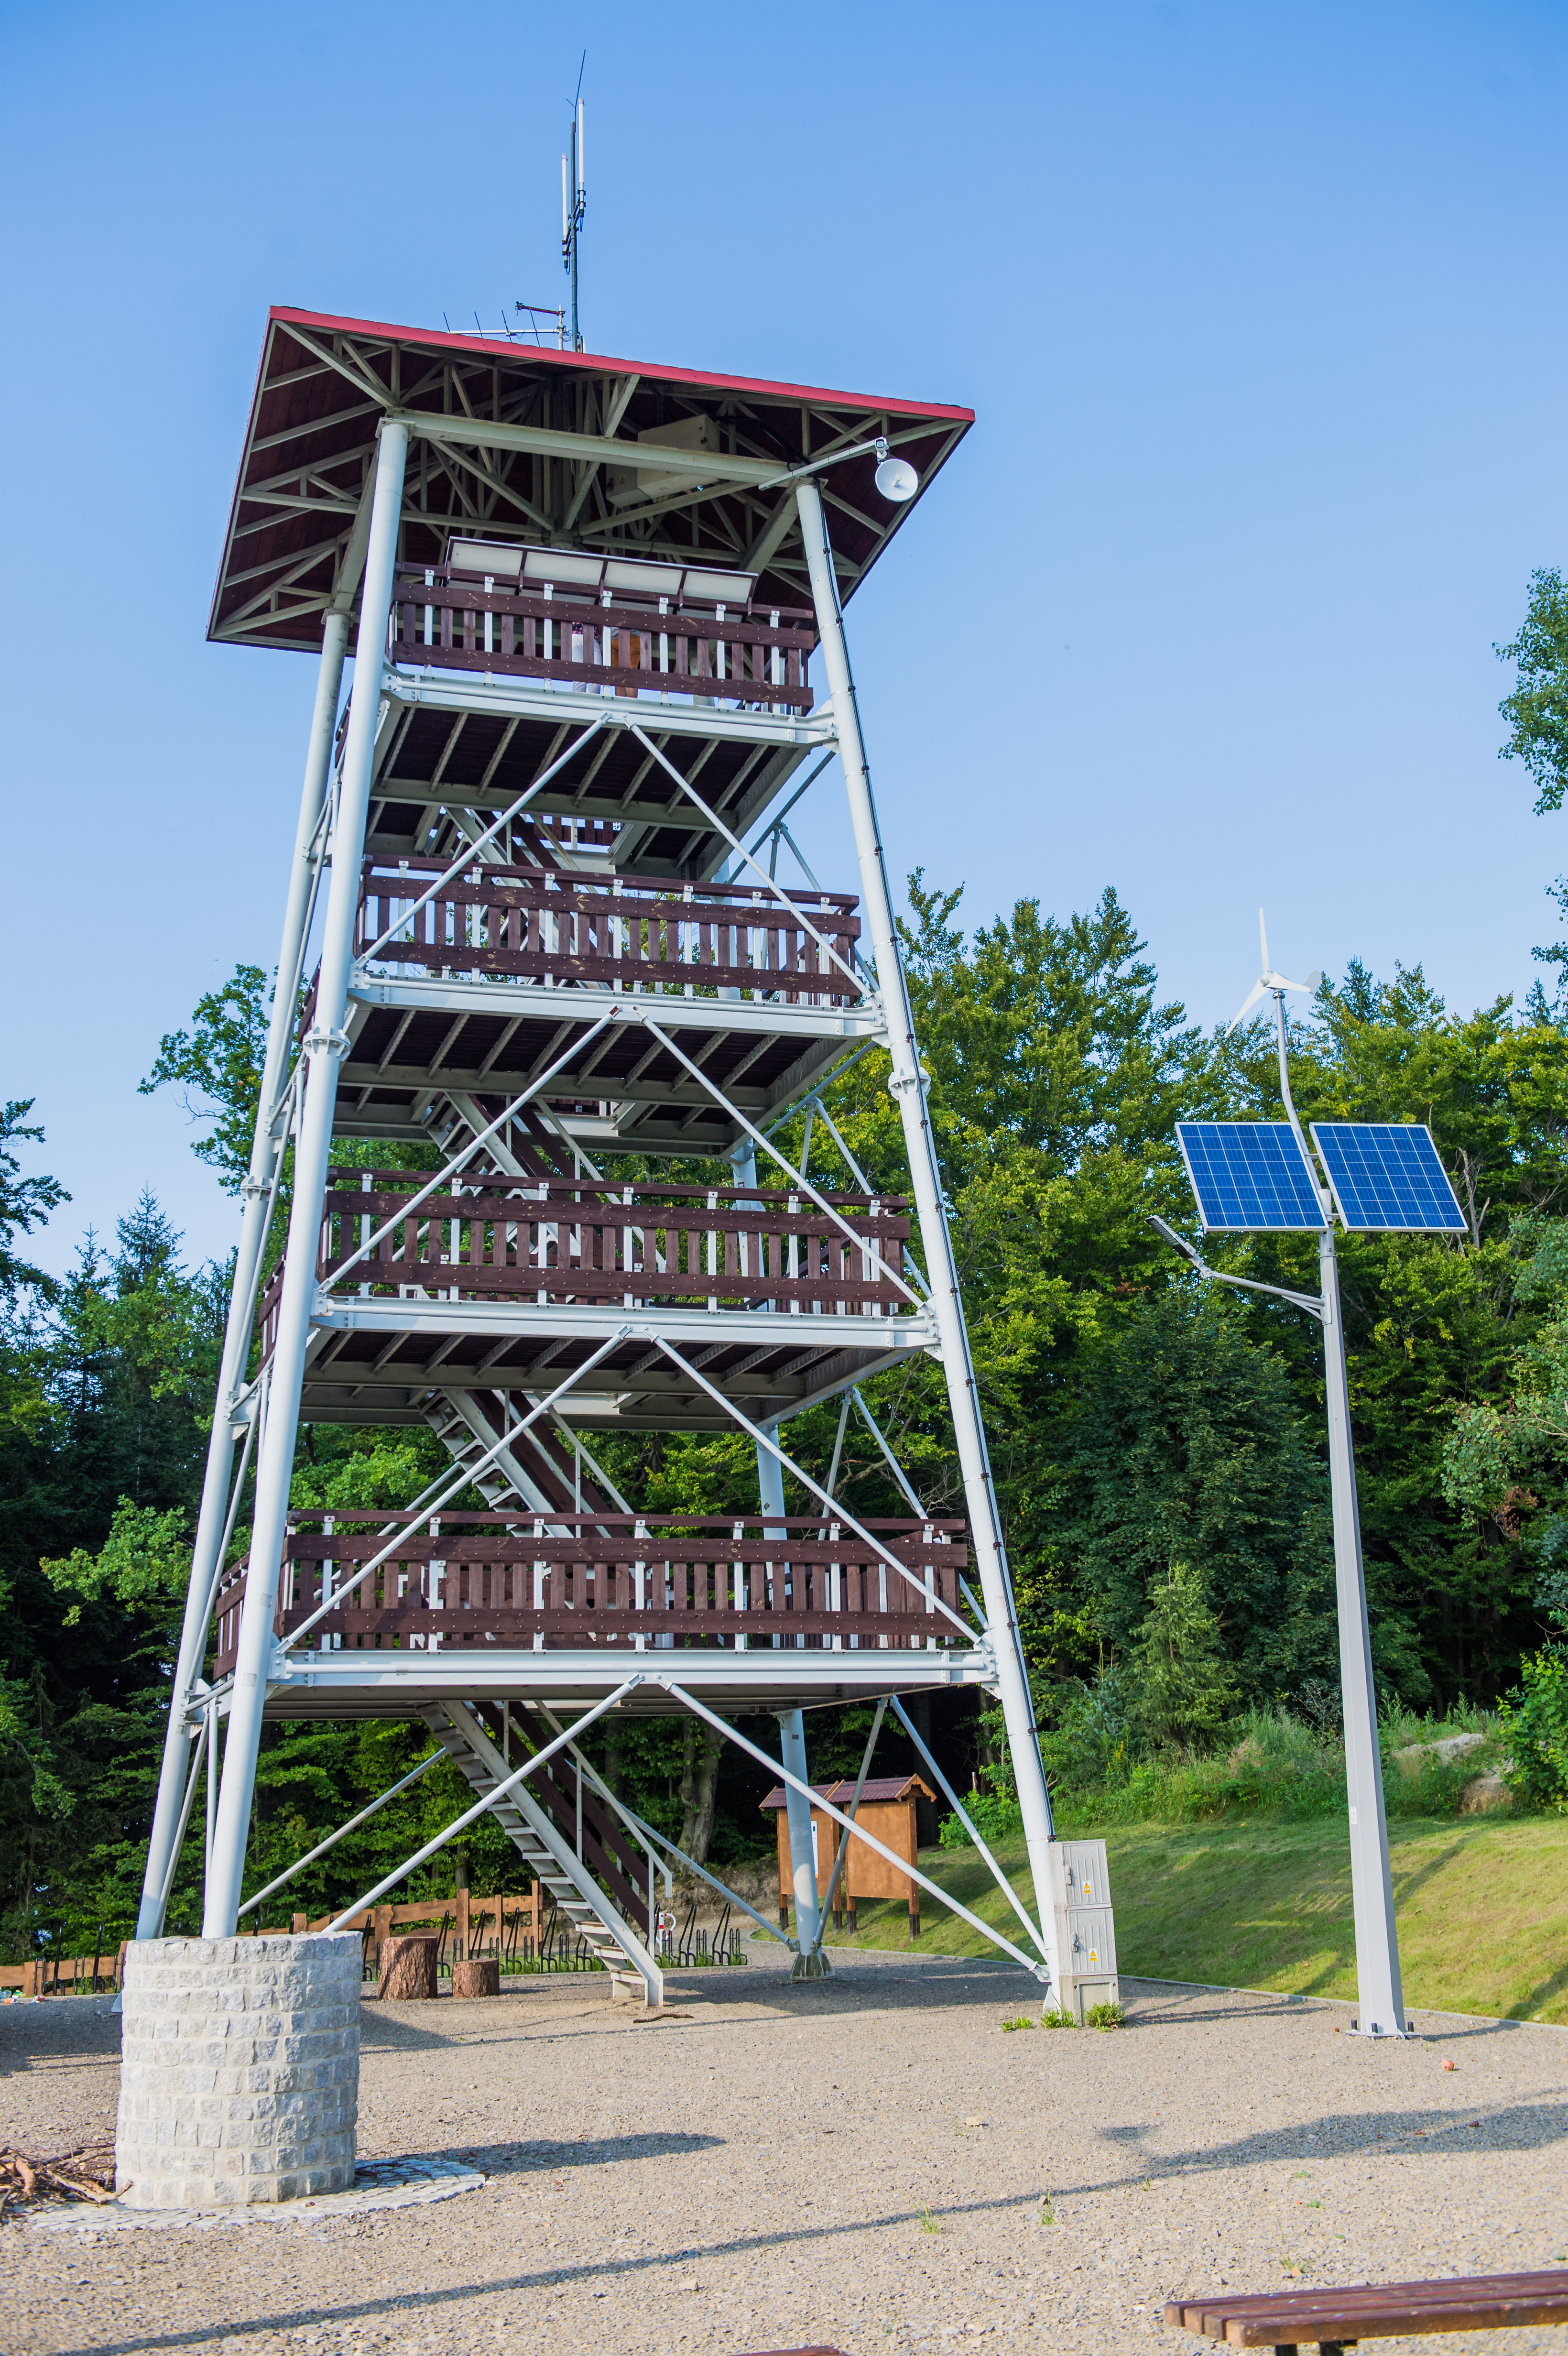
1482	1905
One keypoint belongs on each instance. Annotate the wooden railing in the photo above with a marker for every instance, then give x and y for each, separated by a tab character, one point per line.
709	654
624	932
552	1583
545	1240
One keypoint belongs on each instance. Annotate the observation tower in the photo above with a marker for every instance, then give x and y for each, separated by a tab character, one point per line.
533	905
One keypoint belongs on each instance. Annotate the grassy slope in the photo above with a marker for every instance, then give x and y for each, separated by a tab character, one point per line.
1482	1905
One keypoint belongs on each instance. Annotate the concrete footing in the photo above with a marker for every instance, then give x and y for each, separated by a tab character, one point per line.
240	2077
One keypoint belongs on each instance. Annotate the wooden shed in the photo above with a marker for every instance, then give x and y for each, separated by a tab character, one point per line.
888	1814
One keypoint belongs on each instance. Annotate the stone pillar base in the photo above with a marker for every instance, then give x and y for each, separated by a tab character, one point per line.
240	2076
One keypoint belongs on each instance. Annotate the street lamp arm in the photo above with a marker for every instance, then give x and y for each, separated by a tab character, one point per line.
1310	1301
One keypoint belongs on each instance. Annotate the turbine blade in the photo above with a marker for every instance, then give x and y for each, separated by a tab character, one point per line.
1259	990
1262	936
1281	984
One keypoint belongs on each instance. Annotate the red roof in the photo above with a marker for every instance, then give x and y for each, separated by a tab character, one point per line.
702	379
326	381
878	1787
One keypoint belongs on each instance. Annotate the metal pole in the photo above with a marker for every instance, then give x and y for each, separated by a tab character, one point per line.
265	1152
1378	1980
322	1049
811	1963
908	1089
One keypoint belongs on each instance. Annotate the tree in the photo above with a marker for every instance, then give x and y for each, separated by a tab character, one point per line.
1537	710
25	1202
219	1058
1186	1687
1184	1444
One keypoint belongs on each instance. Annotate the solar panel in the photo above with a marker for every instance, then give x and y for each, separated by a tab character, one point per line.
1387	1178
1249	1174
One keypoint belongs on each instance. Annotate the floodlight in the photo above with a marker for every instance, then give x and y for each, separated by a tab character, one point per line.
896	478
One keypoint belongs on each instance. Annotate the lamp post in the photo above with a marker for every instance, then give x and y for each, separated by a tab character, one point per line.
1378	1982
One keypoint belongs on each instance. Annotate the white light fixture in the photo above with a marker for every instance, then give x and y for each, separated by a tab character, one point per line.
642	579
490	557
564	566
719	588
896	478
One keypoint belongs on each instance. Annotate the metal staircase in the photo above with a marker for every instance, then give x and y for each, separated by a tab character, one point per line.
462	1421
607	1933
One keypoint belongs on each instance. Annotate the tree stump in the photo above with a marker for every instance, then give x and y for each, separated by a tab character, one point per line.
407	1968
479	1976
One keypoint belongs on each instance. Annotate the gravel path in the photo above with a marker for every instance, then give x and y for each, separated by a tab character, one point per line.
866	2162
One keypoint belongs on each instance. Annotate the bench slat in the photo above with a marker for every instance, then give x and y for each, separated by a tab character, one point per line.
1376	2310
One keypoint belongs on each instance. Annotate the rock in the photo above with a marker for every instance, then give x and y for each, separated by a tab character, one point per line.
1488	1790
481	1976
1451	1746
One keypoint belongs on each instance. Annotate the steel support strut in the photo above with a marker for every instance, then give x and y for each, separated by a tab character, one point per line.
266	1150
323	1049
811	1963
909	1091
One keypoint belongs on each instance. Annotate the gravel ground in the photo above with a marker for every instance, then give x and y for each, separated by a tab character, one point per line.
865	2162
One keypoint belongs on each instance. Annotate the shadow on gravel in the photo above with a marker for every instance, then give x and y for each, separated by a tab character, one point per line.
1523	2127
609	2270
541	2155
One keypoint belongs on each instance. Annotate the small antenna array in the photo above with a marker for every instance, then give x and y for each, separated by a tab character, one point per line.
573	205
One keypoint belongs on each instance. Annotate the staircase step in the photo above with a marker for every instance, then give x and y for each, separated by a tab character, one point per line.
595	1935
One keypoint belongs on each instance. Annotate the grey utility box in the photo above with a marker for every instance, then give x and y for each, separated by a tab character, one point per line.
1087	1929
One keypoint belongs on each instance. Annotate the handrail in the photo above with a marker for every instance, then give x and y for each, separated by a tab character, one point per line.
712	653
620	931
523	1578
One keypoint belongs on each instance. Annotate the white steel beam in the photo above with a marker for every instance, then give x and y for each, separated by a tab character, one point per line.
592	1322
595	449
589	1002
322	1049
266	1154
494	696
907	1084
395	1684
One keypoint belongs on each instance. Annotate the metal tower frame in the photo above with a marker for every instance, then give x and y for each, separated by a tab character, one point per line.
579	686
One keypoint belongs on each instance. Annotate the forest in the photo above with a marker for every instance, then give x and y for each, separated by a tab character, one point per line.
1159	1445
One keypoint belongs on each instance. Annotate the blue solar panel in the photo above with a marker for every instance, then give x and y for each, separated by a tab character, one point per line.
1249	1174
1387	1178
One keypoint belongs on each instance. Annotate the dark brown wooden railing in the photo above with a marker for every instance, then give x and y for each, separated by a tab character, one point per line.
756	658
561	1239
624	932
555	1583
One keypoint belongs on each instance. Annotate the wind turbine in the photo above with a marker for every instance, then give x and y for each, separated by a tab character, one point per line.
1269	981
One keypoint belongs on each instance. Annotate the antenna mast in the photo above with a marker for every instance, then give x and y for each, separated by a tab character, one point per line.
573	203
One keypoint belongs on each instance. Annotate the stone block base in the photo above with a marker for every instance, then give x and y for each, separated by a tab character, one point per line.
481	1976
240	2076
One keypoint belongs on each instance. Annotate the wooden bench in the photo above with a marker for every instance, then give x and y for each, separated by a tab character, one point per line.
1336	2319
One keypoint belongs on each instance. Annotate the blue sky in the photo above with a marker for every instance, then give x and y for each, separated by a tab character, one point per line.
1261	309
